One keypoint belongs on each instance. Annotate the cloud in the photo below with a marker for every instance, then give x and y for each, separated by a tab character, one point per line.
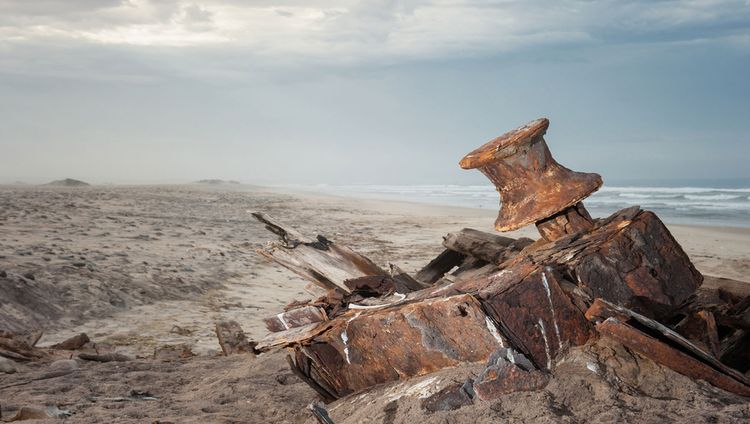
345	32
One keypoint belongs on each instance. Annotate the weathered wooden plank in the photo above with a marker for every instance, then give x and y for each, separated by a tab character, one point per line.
404	282
444	262
479	244
670	357
18	347
295	318
321	261
291	336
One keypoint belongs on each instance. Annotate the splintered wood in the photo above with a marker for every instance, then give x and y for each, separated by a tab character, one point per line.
319	260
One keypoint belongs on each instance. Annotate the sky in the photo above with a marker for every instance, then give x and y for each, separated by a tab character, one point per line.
368	92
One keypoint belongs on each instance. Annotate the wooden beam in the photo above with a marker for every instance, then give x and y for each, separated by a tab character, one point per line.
492	248
319	260
444	262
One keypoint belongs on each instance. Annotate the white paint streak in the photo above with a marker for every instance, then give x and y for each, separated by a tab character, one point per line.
493	330
399	295
282	320
546	343
345	339
552	309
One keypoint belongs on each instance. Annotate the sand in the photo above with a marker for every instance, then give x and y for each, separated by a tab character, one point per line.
140	267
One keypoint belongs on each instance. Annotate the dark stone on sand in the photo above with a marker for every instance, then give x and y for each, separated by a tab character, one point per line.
450	398
29	276
3	274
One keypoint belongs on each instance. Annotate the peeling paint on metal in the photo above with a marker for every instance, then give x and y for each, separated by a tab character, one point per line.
282	320
546	343
345	339
552	309
493	330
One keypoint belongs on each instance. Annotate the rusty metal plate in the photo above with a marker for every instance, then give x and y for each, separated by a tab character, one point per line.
373	347
641	267
538	317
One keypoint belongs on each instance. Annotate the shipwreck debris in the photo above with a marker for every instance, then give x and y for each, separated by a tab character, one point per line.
515	305
418	338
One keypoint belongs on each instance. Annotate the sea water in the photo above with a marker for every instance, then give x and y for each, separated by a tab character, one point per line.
701	202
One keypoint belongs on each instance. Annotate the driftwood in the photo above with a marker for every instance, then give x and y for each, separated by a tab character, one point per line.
293	318
72	343
20	347
232	339
319	260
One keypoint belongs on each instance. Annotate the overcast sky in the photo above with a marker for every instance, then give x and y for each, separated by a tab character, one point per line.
380	91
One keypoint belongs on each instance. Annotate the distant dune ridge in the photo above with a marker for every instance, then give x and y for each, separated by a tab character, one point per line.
68	182
217	182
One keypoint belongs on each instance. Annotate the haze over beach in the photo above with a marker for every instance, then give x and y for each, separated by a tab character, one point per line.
139	137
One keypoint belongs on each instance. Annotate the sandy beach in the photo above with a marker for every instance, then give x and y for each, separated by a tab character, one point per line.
138	267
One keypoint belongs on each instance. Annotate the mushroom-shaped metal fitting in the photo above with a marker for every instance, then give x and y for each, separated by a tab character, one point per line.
532	185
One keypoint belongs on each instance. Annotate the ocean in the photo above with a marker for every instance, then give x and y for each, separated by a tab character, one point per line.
699	203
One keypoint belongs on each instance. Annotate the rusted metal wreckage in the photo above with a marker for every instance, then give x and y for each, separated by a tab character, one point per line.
515	304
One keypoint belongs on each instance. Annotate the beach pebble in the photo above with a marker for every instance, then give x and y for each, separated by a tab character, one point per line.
3	274
7	366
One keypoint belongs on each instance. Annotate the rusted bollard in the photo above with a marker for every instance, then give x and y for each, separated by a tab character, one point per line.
533	187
